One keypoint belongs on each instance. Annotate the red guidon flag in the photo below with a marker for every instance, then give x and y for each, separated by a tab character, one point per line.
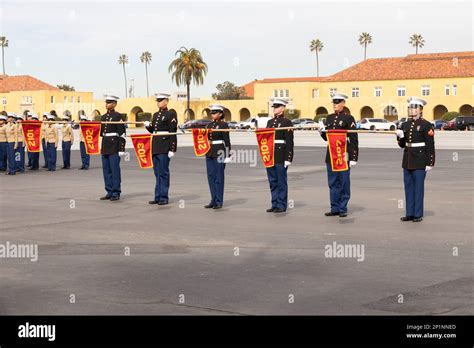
337	146
91	132
266	145
201	141
142	146
32	135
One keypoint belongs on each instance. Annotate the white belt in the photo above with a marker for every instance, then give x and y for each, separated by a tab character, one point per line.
110	135
280	141
415	144
217	142
161	132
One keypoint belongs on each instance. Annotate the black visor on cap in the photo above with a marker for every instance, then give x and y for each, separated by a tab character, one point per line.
277	105
337	101
215	111
108	101
160	99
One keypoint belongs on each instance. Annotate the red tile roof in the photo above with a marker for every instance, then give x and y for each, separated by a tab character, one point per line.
23	83
291	79
413	66
249	88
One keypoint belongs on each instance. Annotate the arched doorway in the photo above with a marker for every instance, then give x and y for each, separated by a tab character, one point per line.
366	112
133	115
321	111
189	114
390	113
95	115
439	111
206	113
79	113
347	110
227	114
54	113
466	110
244	114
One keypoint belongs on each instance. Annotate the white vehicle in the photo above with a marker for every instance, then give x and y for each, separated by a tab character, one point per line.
254	122
377	124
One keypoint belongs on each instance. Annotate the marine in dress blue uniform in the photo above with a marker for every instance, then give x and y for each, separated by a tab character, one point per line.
416	137
29	116
11	135
20	150
43	141
67	141
3	143
113	146
163	146
85	158
217	156
283	156
339	182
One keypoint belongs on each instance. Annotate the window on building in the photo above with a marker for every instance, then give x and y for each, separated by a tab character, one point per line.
78	99
455	89
355	92
401	91
65	99
425	90
377	91
446	90
315	93
275	93
287	93
4	100
72	99
52	99
27	99
332	91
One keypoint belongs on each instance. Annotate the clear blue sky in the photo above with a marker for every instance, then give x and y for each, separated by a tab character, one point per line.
78	43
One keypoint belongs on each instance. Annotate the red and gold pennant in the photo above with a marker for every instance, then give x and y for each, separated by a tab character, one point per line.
142	145
266	145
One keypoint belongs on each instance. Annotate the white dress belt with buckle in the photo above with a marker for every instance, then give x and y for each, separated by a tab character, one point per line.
280	141
415	144
110	135
217	142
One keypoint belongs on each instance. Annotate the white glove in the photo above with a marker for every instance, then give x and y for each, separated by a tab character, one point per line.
352	163
170	154
321	130
146	123
121	153
287	164
428	168
227	160
400	133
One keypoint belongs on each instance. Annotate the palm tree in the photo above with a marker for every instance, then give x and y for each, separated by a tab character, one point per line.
3	43
123	59
146	58
316	46
365	39
188	67
416	40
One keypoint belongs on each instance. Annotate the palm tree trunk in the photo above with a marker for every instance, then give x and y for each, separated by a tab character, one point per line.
146	72
365	51
188	97
416	49
125	76
317	64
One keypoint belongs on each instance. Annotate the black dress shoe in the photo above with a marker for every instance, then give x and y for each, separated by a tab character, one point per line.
279	210
162	203
406	218
104	198
271	210
81	168
152	202
417	219
44	167
115	198
342	214
217	206
209	206
331	214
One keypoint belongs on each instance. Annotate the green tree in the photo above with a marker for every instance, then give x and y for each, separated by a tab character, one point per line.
365	39
146	58
416	40
186	68
229	91
316	46
123	59
3	44
66	88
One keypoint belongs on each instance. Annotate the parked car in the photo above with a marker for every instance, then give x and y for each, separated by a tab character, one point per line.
195	124
377	124
399	122
306	123
450	125
233	125
297	121
254	122
438	124
465	122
